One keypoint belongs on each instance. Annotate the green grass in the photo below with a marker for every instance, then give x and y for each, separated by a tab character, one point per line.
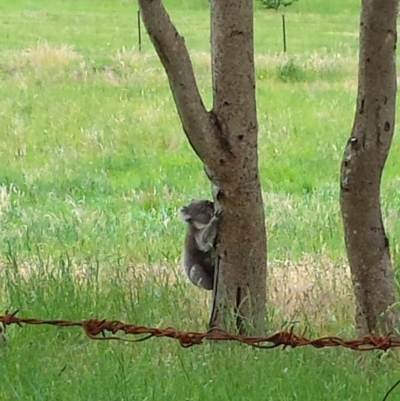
94	165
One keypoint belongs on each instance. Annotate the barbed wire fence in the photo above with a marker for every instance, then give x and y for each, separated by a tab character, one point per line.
103	329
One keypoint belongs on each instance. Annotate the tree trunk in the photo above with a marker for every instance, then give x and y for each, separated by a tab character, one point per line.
225	139
363	162
242	268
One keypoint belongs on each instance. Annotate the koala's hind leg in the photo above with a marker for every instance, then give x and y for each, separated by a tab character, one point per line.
200	277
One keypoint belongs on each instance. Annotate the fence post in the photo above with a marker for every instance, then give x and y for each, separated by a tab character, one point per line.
139	31
284	32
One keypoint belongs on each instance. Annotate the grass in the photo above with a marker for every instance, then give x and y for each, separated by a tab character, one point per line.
94	165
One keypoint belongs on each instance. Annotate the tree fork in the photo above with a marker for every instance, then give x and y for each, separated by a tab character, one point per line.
225	139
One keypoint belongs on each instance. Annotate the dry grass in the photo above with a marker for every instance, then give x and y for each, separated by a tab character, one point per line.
313	290
315	61
130	57
4	198
129	66
44	55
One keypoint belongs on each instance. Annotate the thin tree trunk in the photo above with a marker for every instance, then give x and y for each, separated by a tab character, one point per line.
225	139
242	268
363	162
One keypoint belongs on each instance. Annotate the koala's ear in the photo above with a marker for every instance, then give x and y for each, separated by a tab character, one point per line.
183	214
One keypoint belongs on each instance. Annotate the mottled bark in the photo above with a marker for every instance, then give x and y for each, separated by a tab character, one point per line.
242	269
225	139
363	162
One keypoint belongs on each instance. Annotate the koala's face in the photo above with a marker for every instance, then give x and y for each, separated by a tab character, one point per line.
198	213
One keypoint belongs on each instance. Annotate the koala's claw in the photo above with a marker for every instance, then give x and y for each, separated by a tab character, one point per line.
218	214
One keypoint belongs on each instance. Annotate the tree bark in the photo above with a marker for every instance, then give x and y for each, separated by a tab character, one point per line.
363	162
225	139
242	268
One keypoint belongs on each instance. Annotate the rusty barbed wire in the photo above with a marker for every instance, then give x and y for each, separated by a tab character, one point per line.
96	327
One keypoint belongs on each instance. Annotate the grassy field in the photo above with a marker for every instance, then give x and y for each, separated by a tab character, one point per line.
94	165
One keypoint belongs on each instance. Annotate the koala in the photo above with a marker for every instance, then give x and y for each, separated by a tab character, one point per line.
198	249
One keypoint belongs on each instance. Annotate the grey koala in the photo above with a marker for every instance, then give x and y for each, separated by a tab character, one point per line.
198	248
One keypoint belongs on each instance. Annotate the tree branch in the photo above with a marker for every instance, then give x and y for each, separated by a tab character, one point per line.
174	56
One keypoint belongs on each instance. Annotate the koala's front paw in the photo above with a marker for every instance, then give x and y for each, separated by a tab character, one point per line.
218	214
